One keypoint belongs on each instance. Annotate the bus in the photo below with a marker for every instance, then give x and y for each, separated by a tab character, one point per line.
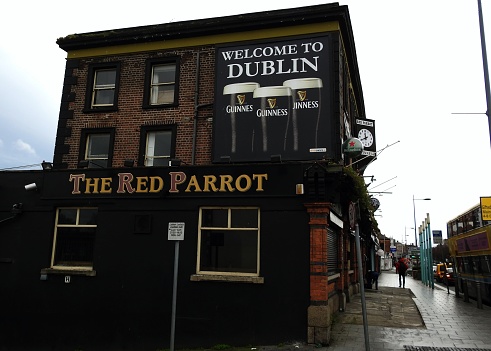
469	242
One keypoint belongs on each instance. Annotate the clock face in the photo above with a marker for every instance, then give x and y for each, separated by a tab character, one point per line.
365	137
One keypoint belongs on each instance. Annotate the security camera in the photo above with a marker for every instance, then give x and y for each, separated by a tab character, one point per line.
31	187
17	208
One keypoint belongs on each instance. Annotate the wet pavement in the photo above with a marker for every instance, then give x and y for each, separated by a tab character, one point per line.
417	318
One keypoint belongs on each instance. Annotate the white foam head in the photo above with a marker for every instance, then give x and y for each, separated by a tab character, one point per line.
240	88
275	90
303	83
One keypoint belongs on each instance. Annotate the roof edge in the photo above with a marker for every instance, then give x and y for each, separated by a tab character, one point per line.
201	27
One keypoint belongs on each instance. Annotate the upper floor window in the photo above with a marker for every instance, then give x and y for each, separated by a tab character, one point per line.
161	83
158	143
102	87
74	237
97	150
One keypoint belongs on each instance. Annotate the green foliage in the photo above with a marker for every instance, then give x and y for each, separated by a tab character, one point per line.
356	191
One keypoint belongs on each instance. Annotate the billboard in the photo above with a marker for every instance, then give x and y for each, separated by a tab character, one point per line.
274	98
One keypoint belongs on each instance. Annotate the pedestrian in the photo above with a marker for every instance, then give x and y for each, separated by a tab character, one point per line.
401	268
375	275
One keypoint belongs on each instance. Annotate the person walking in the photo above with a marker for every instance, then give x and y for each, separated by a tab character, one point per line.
375	275
401	268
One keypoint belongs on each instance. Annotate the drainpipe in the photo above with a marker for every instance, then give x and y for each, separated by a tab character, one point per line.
195	118
197	106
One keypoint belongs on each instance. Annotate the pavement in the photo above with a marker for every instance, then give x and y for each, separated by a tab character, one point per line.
414	318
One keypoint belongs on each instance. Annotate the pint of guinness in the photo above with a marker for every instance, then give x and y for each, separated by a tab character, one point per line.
306	114
242	118
274	115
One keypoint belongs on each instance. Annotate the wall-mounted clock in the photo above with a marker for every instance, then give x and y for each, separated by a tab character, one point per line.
365	137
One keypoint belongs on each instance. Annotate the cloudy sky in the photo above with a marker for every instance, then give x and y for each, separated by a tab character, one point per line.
420	64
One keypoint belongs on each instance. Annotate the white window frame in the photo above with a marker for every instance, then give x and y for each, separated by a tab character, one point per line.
150	147
215	275
154	86
97	88
76	225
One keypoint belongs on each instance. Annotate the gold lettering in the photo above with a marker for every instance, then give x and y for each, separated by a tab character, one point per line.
226	181
260	178
141	184
248	183
193	182
156	184
92	183
106	185
210	182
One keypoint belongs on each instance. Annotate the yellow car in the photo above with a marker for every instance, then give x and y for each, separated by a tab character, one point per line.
440	270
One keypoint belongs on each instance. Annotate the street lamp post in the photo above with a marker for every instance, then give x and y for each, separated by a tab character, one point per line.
414	213
405	237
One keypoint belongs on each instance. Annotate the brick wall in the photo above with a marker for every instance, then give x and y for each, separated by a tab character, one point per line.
319	290
130	116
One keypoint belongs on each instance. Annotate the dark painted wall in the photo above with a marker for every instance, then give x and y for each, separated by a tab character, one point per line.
127	305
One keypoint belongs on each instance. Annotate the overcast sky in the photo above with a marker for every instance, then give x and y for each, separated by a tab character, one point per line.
420	65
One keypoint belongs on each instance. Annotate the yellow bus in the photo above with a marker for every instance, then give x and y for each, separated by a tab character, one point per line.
469	242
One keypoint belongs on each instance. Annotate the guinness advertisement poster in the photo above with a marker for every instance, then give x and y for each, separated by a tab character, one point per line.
274	98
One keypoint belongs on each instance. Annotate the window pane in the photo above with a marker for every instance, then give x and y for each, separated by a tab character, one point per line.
243	218
162	143
487	264
162	94
162	85
164	74
67	216
98	146
229	251
88	216
216	218
105	78
104	87
159	143
104	97
158	148
74	246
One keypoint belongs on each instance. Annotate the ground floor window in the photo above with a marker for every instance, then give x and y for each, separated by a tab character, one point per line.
228	241
74	237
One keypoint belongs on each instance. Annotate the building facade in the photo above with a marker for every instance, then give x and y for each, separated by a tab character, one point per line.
199	178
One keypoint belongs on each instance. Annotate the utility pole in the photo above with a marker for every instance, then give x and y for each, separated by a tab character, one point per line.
485	67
